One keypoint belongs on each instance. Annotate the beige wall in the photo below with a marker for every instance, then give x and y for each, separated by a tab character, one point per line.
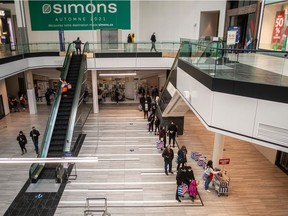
269	153
3	92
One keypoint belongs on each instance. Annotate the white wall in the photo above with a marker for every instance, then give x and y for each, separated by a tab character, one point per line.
172	20
253	120
169	19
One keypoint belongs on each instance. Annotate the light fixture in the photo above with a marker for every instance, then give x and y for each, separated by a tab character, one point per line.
117	74
49	160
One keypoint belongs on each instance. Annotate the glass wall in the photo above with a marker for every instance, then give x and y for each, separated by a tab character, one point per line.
274	29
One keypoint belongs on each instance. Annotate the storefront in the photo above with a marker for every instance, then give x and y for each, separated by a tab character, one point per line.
7	41
274	29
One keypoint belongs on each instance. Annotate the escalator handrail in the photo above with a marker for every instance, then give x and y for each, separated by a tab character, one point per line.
75	103
173	67
35	168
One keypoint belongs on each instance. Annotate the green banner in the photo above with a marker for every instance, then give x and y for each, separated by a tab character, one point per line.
79	15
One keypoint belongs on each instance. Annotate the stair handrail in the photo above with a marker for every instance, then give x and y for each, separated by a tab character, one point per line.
75	103
36	168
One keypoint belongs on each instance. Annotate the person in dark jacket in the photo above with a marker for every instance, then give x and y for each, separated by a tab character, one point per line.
78	43
168	156
34	134
151	119
21	138
157	124
182	159
153	40
172	130
162	135
129	38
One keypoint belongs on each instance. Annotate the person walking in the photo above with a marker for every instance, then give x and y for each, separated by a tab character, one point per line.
34	134
168	156
157	124
208	174
153	40
151	120
182	156
172	130
78	43
21	138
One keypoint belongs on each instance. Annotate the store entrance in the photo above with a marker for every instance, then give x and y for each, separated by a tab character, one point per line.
109	39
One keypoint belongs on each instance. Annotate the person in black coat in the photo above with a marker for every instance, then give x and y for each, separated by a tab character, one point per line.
34	134
172	130
182	159
21	138
168	156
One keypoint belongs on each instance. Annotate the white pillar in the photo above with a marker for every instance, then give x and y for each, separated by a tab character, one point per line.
217	149
95	91
30	92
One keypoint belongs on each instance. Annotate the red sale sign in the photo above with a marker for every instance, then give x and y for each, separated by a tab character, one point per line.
278	26
225	161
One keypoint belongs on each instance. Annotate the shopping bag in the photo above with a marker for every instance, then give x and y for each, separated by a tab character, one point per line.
182	189
159	144
64	89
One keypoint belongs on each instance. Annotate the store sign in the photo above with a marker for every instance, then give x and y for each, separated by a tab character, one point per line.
79	15
231	37
225	161
278	26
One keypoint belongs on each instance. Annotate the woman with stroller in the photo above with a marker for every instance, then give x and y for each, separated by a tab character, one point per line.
208	174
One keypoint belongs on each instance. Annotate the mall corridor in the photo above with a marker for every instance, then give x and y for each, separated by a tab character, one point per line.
130	172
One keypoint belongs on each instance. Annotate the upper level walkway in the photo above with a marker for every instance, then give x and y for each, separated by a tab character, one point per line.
234	96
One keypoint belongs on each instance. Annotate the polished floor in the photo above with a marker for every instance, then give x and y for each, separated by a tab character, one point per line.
130	173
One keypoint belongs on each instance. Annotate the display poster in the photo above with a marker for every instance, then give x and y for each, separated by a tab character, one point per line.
231	38
278	26
250	31
79	15
237	29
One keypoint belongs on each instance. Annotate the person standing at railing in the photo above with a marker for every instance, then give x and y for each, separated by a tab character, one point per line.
78	43
129	38
153	40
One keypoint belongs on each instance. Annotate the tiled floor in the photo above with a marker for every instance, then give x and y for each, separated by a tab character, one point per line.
130	169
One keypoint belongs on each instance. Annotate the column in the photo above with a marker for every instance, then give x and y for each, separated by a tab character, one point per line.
30	92
95	91
217	149
22	35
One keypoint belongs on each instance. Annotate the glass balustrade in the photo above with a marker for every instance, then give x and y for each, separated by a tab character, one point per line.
218	61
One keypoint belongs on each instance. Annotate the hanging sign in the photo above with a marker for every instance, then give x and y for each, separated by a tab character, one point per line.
278	26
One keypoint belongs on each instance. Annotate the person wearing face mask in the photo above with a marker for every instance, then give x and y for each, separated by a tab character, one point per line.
34	134
21	138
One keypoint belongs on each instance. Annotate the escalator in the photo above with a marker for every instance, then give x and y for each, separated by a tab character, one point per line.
58	138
